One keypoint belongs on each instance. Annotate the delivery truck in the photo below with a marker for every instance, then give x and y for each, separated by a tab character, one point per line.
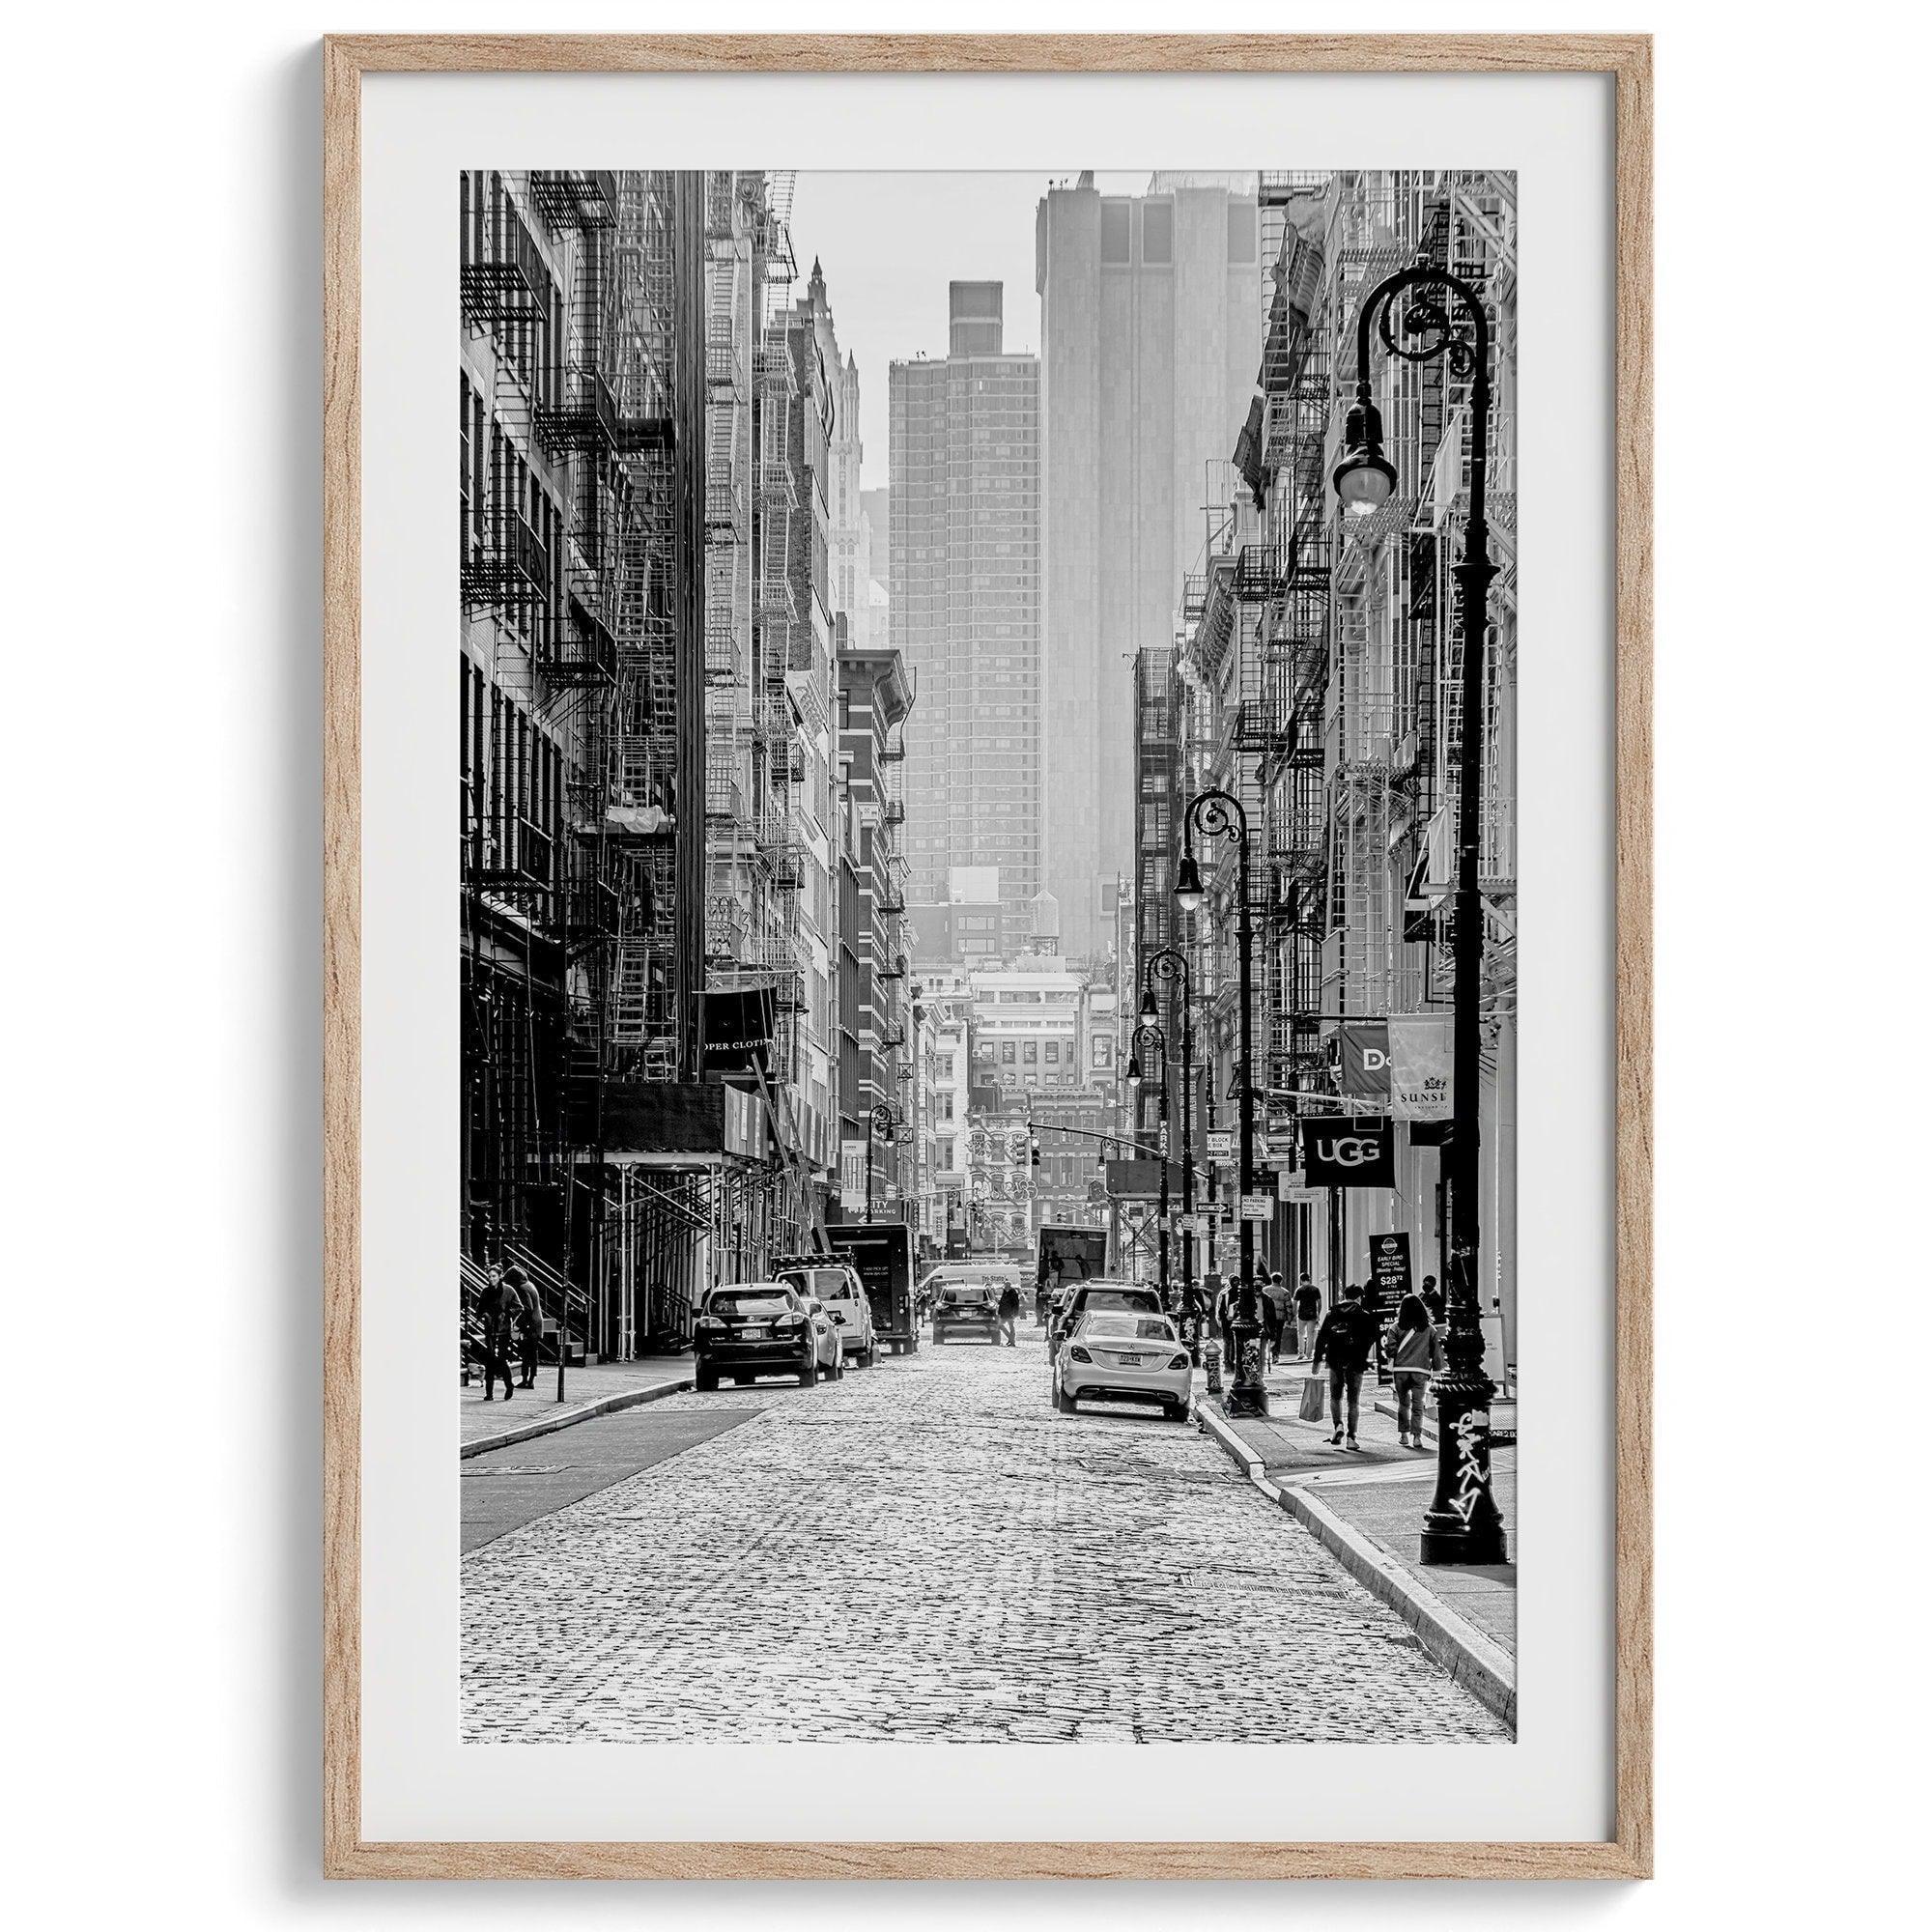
882	1253
1066	1255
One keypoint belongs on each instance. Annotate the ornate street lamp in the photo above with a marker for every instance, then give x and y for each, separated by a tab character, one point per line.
882	1121
1170	965
1219	815
1156	1042
1463	1523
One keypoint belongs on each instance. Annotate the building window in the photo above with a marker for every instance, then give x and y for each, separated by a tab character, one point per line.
1116	231
1157	233
1033	1053
1053	1053
1240	231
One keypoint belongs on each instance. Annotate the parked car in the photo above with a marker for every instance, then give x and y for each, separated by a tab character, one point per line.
752	1329
1124	1355
964	1309
1092	1298
837	1284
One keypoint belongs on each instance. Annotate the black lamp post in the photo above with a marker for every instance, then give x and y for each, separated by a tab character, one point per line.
881	1121
1220	815
1463	1525
1170	964
1158	1042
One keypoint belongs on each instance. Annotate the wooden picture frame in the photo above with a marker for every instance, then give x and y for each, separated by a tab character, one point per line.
1626	60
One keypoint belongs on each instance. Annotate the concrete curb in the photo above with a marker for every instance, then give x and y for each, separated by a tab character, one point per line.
1503	1437
1473	1660
549	1425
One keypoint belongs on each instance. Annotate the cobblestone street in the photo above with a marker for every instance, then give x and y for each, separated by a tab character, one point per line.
926	1551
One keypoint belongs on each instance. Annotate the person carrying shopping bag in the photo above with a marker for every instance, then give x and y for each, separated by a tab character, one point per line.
1350	1336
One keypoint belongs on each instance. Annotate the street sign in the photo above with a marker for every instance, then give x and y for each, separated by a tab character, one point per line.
1257	1208
1221	1144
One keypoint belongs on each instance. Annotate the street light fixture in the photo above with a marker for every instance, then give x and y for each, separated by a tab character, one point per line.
1463	1523
1170	965
1364	479
880	1121
1156	1042
1189	894
1220	815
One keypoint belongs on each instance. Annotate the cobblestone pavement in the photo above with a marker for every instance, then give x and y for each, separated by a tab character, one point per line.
928	1551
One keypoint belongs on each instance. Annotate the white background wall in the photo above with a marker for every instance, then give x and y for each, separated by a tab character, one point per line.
161	1400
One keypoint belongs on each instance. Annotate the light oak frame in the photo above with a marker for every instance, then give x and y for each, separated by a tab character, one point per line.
346	59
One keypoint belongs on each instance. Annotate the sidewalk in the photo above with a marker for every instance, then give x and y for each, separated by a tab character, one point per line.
593	1389
1367	1504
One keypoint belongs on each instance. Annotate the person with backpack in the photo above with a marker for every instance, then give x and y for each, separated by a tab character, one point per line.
1307	1316
1416	1356
1349	1338
1009	1314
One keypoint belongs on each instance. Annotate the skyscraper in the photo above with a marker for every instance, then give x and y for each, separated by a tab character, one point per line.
1150	323
965	606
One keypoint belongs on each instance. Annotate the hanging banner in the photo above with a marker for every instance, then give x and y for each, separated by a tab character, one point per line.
1357	1151
1421	1062
1364	1073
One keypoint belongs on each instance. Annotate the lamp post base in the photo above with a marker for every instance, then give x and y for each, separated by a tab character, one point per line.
1462	1525
1247	1395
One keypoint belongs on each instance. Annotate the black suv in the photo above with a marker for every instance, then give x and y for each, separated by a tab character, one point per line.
965	1308
764	1328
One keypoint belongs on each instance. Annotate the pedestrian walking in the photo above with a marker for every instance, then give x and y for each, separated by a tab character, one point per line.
528	1314
1307	1316
1275	1315
1348	1338
1226	1298
1009	1314
1433	1298
497	1310
1416	1355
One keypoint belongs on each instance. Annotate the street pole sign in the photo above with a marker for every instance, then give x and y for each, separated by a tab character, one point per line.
1257	1208
1221	1144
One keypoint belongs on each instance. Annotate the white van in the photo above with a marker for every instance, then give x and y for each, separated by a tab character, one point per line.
838	1286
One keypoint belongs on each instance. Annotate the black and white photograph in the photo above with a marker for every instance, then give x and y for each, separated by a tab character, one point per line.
988	930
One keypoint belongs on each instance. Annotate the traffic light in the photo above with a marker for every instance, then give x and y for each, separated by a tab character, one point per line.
1035	1148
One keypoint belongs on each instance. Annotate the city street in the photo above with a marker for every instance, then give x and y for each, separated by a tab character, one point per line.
922	1550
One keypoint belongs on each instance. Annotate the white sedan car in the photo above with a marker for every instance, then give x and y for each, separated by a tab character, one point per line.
1121	1355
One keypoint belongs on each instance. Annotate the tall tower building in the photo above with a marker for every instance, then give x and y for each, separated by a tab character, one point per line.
965	607
1151	321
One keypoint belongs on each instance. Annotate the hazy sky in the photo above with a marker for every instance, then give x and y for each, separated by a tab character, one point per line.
890	244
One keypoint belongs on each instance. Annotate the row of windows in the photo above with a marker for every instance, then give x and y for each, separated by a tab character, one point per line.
1156	233
512	780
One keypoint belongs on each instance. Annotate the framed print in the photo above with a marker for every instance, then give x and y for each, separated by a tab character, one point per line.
1020	1065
